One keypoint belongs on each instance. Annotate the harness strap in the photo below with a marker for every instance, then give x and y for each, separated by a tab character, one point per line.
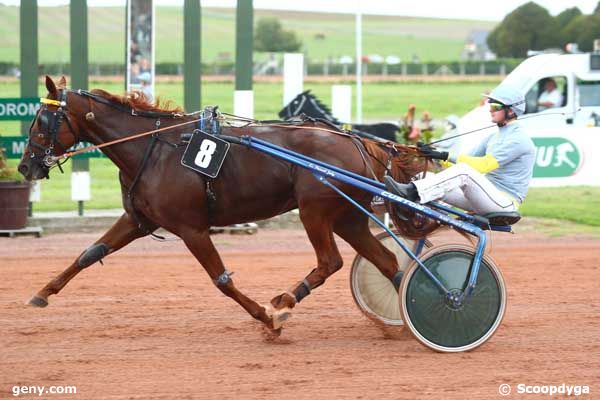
358	143
131	192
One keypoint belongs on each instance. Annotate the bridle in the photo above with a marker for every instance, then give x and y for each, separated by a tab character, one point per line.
50	122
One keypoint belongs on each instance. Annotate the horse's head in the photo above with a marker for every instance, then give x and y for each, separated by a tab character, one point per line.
294	107
51	134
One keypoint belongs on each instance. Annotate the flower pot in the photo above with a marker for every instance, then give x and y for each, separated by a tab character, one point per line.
14	204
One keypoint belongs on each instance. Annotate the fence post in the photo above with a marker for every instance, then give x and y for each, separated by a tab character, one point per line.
29	52
243	103
293	76
192	69
80	175
341	102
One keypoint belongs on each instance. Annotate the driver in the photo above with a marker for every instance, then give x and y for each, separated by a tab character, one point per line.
494	177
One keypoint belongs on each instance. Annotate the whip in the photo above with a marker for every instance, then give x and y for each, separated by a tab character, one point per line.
491	126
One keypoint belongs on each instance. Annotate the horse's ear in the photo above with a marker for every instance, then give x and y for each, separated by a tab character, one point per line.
50	85
62	83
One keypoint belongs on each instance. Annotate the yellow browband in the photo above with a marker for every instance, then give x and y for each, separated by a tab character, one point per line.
57	103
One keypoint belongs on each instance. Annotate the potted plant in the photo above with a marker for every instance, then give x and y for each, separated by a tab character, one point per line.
14	196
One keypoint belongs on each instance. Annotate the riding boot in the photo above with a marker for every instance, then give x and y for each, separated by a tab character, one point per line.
406	190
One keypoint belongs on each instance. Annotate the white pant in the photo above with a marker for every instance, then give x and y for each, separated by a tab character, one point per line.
463	187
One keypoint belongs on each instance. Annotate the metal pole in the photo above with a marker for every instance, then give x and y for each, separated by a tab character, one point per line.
79	44
79	68
29	52
243	45
192	66
243	96
358	62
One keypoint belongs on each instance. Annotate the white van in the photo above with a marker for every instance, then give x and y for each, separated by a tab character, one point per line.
567	136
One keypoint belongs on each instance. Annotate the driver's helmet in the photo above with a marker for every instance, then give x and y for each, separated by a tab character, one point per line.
510	97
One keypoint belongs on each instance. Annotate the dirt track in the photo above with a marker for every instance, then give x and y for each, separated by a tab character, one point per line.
150	324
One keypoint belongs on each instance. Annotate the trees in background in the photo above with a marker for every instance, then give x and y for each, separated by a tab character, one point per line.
269	36
531	27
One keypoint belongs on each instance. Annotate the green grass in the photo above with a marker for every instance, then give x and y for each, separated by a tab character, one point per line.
381	101
105	189
576	204
429	38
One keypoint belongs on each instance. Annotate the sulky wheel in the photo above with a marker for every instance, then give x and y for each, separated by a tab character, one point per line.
440	325
373	293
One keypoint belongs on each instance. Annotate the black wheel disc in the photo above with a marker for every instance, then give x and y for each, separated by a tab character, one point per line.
443	324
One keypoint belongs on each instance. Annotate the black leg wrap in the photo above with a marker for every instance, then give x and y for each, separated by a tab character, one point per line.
302	291
94	253
223	279
397	279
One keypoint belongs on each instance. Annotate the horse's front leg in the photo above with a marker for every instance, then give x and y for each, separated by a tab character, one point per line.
318	225
202	247
123	232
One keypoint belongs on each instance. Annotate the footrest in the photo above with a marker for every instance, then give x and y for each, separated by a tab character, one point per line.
503	218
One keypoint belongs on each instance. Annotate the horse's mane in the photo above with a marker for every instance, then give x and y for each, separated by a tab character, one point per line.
323	107
405	164
138	101
405	160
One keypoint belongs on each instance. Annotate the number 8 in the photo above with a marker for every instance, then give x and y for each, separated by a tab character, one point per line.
204	156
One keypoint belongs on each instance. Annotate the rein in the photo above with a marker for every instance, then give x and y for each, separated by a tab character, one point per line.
155	132
251	122
124	139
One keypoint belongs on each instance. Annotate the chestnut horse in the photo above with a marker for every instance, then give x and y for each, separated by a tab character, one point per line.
159	192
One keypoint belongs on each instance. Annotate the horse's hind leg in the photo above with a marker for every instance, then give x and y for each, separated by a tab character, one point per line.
201	246
353	227
123	232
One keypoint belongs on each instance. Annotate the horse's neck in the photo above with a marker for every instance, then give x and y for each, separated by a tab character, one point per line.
127	155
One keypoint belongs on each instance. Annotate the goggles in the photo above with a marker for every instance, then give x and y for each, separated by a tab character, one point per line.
496	106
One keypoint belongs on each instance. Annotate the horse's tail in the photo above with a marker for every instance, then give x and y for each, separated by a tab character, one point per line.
403	163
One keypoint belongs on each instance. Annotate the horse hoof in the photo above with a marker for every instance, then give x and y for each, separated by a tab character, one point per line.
280	316
37	301
269	334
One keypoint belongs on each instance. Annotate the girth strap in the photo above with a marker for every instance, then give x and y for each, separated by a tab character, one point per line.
131	191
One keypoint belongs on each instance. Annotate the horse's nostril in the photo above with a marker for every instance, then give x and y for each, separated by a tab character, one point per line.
23	169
